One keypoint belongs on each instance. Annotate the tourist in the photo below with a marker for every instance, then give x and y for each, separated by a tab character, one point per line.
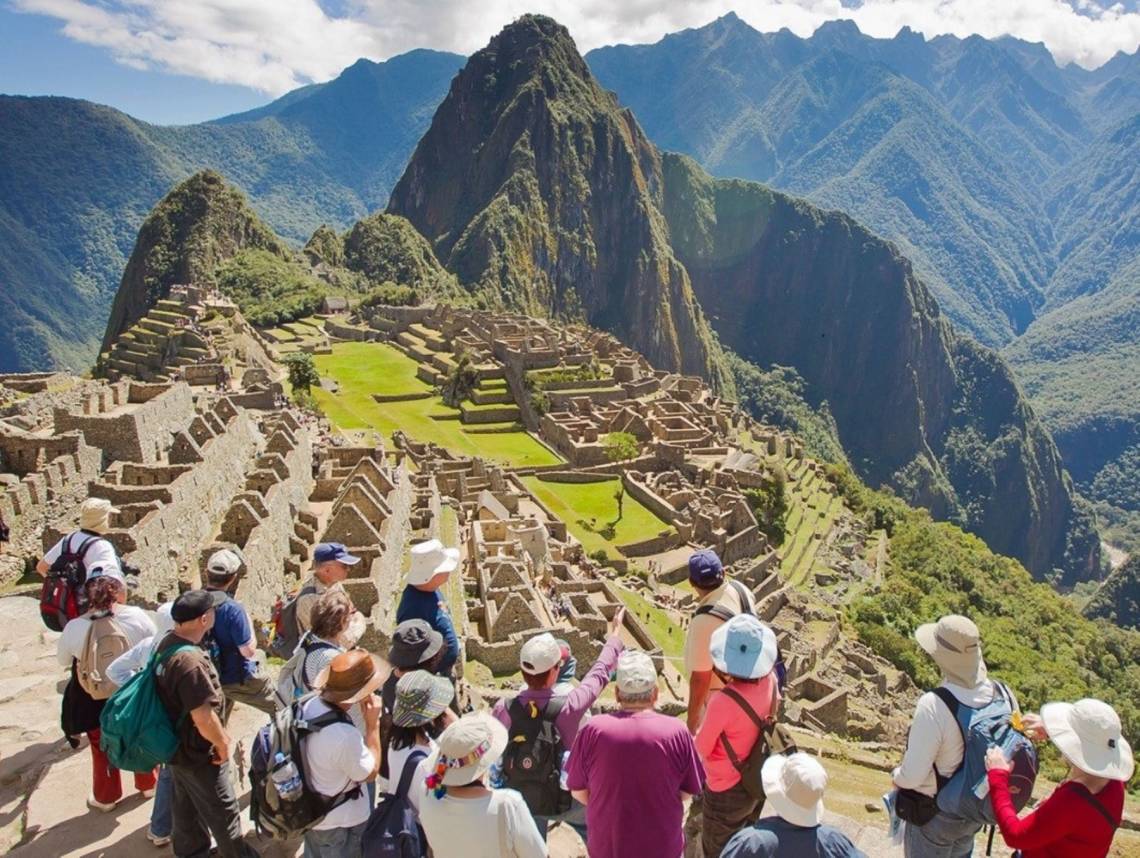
105	631
329	636
89	540
120	671
331	563
231	643
205	803
544	699
794	787
744	658
339	757
1080	817
415	646
935	747
431	566
718	600
419	716
634	769
461	815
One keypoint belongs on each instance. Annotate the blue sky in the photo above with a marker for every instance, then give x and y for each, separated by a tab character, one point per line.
178	61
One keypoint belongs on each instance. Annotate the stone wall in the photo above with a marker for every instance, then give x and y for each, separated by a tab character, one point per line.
140	430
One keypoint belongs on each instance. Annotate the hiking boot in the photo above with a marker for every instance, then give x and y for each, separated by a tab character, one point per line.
99	805
158	839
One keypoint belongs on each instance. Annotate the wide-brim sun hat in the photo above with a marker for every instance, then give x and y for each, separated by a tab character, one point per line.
1088	733
956	647
743	647
467	749
429	559
350	677
794	785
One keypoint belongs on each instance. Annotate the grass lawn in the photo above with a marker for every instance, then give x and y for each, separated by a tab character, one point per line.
362	369
669	636
594	502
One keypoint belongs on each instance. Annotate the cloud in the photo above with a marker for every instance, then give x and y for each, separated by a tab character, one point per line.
277	45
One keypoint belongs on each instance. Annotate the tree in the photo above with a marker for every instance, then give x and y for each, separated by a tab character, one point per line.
459	383
621	446
303	373
619	496
769	504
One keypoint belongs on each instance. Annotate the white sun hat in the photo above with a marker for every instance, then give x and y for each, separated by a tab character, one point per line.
1088	734
430	559
794	784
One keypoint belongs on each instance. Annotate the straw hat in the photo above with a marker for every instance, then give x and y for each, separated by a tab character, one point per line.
1088	734
350	677
95	515
743	647
430	559
956	647
467	750
794	785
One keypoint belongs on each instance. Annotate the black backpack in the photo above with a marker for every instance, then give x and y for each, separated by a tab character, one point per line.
532	763
63	596
286	630
726	615
393	829
285	734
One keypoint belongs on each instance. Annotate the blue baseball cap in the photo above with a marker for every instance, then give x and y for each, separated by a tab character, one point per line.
743	647
705	569
328	551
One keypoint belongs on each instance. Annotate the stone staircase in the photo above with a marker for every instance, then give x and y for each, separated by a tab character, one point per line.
159	342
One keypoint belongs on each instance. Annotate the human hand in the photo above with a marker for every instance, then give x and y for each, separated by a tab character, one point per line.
617	621
220	754
370	708
1034	727
995	759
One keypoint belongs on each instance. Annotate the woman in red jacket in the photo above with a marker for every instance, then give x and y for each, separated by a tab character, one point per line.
1080	818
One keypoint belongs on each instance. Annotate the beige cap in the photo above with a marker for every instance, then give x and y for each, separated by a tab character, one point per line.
956	647
95	515
635	673
540	654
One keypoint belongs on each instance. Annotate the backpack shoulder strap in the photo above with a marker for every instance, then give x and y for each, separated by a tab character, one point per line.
761	725
1096	803
84	545
745	596
409	772
553	708
717	611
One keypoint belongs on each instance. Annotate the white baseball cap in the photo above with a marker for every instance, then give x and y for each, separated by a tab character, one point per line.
540	653
223	564
635	672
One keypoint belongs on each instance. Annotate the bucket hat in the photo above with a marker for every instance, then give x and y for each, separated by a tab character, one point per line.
1088	734
794	784
429	559
95	515
467	750
956	647
743	647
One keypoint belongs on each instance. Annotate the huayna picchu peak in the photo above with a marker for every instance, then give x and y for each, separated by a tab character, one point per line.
540	193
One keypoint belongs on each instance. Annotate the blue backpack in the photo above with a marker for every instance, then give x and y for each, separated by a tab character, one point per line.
966	792
393	829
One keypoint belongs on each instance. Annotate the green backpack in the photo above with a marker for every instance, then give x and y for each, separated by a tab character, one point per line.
136	732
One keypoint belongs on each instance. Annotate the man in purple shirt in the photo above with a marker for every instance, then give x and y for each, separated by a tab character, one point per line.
634	769
541	660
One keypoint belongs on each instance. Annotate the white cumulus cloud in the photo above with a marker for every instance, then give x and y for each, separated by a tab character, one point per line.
277	45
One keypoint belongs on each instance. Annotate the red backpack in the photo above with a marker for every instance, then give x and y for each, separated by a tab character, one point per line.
63	597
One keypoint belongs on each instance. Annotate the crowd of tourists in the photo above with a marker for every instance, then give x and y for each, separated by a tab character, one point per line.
374	756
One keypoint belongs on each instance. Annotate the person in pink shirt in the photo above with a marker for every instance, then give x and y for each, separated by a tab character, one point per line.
744	657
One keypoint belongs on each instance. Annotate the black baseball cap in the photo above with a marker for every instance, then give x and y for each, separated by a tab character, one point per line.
195	603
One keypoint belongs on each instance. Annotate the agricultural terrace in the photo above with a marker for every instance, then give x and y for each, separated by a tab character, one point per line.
591	513
363	369
812	511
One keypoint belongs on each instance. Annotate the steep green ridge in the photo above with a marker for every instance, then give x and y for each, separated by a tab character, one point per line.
77	180
511	186
917	406
387	248
199	225
1118	598
535	189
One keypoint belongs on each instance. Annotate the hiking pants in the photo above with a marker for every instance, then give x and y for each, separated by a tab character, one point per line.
335	842
944	836
723	814
161	816
205	803
257	691
106	780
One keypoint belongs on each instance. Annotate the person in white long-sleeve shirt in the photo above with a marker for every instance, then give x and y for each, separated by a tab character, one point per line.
934	746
